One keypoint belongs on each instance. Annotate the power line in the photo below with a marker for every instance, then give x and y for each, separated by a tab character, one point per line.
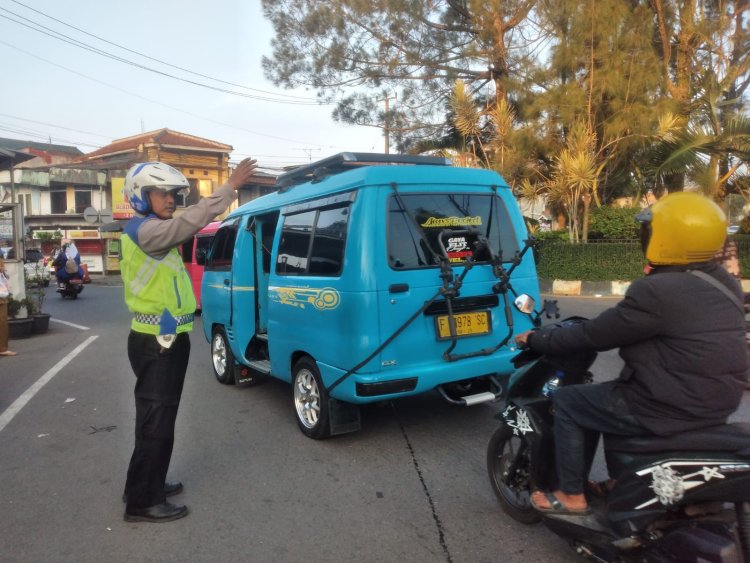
56	126
153	58
45	137
76	43
121	90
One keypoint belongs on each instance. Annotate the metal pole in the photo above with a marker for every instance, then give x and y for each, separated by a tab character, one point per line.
386	125
12	184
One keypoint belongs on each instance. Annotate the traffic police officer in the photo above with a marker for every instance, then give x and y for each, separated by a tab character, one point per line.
159	293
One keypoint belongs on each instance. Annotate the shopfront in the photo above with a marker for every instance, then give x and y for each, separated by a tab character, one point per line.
11	246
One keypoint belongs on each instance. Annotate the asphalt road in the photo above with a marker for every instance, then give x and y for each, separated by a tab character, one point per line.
410	486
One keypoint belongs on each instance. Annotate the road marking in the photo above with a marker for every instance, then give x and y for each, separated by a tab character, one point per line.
81	327
19	403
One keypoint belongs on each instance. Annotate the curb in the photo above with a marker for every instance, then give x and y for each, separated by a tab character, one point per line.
596	289
112	280
584	288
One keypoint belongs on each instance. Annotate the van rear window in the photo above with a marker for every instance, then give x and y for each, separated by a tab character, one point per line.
415	222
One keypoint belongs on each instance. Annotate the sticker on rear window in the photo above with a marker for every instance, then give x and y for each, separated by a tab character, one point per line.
458	249
437	222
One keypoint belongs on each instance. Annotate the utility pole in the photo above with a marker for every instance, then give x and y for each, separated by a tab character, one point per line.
308	152
386	127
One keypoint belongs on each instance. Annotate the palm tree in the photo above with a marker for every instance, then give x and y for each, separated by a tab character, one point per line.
573	183
712	149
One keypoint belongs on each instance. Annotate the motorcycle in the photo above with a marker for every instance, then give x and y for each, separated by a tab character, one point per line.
71	288
684	497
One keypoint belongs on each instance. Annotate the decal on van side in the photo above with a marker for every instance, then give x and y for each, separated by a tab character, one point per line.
322	299
439	222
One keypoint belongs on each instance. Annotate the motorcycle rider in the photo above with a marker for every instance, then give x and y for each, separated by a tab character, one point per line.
681	334
64	269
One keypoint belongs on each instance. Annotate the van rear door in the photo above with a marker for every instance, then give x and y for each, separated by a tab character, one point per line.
419	228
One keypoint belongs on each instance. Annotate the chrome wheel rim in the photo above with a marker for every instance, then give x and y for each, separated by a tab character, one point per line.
307	398
219	355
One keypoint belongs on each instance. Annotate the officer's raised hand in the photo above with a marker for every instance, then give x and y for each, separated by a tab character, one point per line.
242	173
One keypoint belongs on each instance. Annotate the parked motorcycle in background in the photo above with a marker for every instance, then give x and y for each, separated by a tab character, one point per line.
684	497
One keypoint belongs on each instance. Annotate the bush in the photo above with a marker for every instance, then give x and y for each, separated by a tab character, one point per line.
606	261
621	261
14	307
743	252
613	223
552	236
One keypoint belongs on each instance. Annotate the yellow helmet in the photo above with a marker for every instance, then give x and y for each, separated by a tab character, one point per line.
682	228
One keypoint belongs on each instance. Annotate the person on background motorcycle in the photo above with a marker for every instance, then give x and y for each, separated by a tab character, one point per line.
681	334
68	264
160	295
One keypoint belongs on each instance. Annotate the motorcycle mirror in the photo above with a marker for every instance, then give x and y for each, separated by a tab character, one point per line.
525	303
551	309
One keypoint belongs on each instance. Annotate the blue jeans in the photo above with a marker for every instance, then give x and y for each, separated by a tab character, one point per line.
582	413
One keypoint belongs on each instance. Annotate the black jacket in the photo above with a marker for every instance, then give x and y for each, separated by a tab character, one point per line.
683	342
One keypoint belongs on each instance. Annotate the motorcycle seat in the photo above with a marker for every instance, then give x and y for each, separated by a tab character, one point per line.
734	437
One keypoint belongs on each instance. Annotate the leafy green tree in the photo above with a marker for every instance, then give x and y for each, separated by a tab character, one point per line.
603	71
349	49
704	47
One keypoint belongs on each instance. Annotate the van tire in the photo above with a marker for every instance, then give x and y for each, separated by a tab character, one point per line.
310	400
222	359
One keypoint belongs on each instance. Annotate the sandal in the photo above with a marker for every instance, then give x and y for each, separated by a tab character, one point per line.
557	507
8	353
600	489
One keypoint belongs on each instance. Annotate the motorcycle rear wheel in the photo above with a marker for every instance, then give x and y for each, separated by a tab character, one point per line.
508	468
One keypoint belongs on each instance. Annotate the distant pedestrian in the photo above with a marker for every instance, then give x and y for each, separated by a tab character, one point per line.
4	296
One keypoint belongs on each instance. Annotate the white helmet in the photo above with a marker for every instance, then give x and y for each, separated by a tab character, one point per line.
147	176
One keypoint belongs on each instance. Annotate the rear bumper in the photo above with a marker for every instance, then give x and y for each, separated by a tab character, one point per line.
362	388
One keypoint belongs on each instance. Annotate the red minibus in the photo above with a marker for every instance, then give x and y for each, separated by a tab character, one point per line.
194	256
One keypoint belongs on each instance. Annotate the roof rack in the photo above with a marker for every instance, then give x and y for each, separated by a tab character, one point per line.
317	171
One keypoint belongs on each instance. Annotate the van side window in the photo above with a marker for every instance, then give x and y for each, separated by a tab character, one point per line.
220	254
187	251
268	232
201	249
312	243
295	243
327	256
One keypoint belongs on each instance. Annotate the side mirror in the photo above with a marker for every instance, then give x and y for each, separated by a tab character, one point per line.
200	256
525	303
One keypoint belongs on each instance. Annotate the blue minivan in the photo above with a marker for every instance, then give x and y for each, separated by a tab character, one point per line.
368	277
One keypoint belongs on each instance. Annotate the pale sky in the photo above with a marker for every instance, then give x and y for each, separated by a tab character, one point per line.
55	90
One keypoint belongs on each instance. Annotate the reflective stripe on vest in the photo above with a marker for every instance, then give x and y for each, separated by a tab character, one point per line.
156	319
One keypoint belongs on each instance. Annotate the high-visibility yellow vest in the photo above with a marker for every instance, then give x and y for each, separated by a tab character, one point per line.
157	291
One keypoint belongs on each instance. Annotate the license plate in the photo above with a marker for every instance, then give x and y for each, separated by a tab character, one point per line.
467	324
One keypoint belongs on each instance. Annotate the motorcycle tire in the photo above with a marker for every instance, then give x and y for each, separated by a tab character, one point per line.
507	453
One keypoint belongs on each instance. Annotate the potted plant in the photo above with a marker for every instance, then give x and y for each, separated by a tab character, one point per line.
18	327
35	282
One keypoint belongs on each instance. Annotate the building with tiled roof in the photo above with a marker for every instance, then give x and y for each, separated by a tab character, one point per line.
46	153
163	145
205	163
55	195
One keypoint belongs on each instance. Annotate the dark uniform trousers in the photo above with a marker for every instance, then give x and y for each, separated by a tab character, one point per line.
160	374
